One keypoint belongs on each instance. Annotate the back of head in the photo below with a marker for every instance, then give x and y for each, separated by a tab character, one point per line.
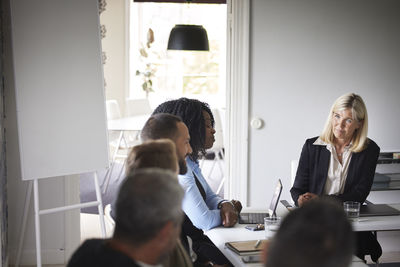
315	235
357	106
147	200
156	153
191	113
160	126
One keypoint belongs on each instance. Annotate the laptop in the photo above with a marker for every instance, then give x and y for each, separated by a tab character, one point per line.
257	217
377	210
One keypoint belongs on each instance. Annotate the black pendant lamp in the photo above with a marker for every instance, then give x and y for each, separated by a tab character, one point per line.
188	37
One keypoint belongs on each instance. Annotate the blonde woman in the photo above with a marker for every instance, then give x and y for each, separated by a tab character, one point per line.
341	162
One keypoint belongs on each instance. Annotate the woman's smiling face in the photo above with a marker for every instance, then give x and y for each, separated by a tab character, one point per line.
343	124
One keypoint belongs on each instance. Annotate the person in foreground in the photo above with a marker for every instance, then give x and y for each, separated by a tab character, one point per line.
204	208
159	154
341	162
170	126
315	235
147	223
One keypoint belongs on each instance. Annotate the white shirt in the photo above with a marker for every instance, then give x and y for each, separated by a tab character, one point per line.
337	172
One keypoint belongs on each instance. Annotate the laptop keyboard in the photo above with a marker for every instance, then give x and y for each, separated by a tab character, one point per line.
252	218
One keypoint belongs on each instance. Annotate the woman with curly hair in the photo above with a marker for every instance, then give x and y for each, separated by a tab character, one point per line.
205	209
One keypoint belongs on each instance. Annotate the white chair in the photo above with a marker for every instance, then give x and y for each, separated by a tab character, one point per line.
136	107
112	109
117	142
217	149
293	169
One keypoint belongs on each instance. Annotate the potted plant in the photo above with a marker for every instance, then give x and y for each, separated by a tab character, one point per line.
148	66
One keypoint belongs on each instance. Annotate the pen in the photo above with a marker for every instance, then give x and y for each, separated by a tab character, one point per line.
257	243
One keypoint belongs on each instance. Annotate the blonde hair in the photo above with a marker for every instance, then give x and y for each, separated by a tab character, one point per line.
359	112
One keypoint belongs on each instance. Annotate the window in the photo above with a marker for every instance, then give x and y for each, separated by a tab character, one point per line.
173	74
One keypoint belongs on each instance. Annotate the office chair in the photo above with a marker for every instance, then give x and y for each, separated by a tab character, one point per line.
118	142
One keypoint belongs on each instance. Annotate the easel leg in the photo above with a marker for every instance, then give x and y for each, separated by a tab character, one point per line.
100	206
24	219
37	221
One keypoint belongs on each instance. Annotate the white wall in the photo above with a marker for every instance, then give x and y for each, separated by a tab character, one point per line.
303	55
115	46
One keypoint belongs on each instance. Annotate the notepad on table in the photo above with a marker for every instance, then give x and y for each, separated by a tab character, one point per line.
248	247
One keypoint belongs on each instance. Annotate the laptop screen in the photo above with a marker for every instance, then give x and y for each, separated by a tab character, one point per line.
275	199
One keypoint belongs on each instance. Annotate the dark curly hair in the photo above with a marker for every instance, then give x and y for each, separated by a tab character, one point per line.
191	113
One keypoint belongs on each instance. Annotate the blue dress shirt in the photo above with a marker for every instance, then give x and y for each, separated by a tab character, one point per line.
204	214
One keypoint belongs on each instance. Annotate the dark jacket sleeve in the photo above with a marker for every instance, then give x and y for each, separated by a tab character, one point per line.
302	180
361	174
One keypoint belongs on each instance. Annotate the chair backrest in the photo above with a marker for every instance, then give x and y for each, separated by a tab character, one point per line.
136	107
113	111
293	169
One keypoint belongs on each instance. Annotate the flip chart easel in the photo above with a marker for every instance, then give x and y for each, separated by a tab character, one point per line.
34	185
59	93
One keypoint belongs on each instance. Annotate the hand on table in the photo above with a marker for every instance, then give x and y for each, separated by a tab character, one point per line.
237	204
229	214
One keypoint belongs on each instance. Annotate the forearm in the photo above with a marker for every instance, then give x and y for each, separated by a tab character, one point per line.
201	216
212	199
295	192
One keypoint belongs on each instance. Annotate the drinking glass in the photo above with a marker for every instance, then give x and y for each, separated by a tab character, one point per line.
271	226
352	210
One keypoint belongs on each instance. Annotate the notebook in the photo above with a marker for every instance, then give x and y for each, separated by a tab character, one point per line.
249	247
257	217
377	210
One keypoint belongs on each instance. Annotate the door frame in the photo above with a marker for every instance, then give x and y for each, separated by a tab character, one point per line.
237	97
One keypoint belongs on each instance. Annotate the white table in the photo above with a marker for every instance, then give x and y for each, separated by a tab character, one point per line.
372	223
221	235
378	223
134	123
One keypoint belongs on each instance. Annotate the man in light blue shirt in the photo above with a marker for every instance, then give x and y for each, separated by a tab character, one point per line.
204	208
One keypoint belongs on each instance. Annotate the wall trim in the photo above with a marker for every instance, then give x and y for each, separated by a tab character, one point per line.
236	185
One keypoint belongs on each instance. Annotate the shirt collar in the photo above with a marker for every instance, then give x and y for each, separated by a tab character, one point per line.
320	142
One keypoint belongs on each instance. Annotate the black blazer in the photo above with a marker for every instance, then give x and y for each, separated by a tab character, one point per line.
313	168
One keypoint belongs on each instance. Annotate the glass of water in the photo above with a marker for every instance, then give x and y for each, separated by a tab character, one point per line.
271	226
352	210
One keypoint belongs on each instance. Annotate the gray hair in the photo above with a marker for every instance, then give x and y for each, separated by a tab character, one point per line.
147	200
